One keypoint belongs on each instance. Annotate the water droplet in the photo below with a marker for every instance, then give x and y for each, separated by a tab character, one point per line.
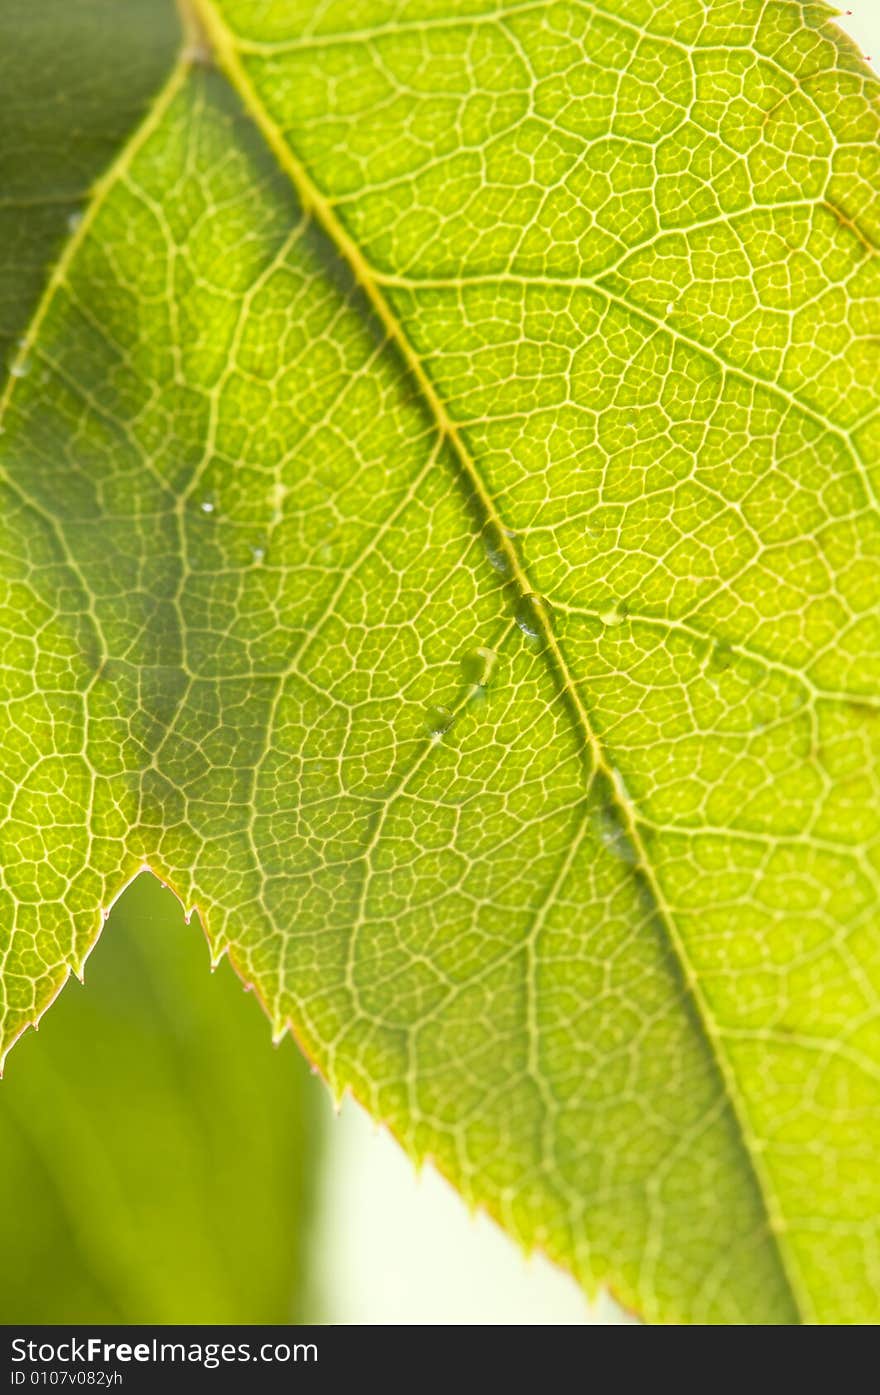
477	665
74	221
615	613
534	616
618	784
258	553
207	506
496	555
614	836
438	722
721	658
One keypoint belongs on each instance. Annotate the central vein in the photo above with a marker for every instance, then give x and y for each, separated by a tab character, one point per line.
204	26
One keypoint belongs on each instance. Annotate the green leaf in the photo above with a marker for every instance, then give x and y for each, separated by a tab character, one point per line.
440	536
152	1151
77	79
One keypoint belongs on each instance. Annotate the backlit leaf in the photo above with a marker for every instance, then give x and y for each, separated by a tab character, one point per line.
440	538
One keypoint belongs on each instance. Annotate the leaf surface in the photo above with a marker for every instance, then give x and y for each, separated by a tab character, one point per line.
444	546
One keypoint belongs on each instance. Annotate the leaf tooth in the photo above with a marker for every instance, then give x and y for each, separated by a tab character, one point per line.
219	952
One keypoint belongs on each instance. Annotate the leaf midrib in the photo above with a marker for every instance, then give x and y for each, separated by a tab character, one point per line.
201	21
223	45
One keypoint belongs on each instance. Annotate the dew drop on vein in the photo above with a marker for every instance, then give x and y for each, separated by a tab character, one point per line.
497	558
613	834
477	665
721	658
500	545
615	613
438	721
534	616
21	364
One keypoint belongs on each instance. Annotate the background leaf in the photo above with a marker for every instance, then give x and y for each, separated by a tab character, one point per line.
76	79
443	544
155	1157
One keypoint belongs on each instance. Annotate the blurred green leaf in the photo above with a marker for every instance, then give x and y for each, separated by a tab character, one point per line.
76	76
155	1153
440	537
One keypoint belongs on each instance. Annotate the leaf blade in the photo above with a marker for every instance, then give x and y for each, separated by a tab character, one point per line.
404	728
